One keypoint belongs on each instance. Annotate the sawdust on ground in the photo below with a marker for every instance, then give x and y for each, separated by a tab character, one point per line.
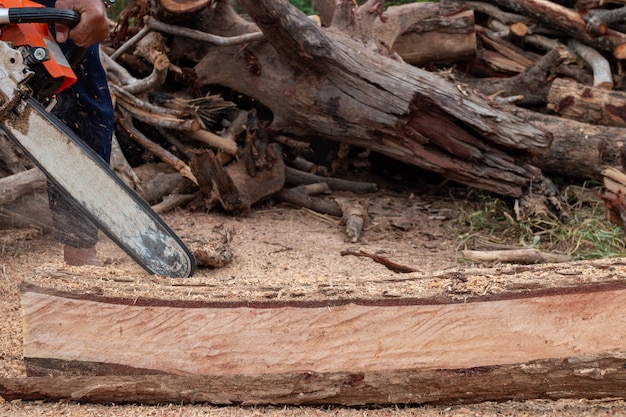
278	252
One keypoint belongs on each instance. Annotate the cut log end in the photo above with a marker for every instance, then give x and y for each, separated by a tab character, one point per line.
184	7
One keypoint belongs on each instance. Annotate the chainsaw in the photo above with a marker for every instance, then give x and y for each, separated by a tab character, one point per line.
32	70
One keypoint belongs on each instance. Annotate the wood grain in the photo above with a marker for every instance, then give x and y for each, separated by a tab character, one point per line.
199	338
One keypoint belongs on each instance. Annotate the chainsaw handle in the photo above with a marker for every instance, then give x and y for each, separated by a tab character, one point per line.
48	15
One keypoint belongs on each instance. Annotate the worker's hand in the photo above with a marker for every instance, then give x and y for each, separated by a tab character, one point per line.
93	26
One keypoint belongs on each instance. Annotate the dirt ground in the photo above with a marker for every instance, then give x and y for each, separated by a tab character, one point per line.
277	247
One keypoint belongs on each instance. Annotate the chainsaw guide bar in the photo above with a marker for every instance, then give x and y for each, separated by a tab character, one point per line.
87	180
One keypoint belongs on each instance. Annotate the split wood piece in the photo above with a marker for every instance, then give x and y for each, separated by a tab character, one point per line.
268	176
532	85
614	196
297	177
522	58
499	62
215	184
167	121
17	185
234	187
421	119
215	252
163	154
549	344
205	107
569	21
522	256
588	104
602	74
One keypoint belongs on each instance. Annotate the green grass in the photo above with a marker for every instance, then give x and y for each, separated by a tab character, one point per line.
487	223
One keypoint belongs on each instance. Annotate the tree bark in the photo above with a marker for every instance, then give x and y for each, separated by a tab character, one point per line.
585	377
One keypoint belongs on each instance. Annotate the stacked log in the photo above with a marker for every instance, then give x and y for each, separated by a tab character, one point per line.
494	95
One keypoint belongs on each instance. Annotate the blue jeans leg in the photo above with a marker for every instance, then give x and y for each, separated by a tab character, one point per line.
87	109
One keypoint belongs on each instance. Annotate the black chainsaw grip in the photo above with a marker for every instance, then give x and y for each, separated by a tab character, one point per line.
48	15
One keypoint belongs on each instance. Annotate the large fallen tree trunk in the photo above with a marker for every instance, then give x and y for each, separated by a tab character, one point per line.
333	87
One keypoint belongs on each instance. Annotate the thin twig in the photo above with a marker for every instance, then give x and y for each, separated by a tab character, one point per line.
155	24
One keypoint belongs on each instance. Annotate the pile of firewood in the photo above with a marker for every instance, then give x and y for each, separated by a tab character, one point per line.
240	103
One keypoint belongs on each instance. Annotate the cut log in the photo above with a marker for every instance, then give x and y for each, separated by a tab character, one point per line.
544	335
531	85
587	104
579	150
184	7
556	16
424	35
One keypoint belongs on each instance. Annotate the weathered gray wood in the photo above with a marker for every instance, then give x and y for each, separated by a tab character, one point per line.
333	87
17	185
570	21
579	150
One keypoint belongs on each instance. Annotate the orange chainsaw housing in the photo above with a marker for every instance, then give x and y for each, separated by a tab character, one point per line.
38	35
